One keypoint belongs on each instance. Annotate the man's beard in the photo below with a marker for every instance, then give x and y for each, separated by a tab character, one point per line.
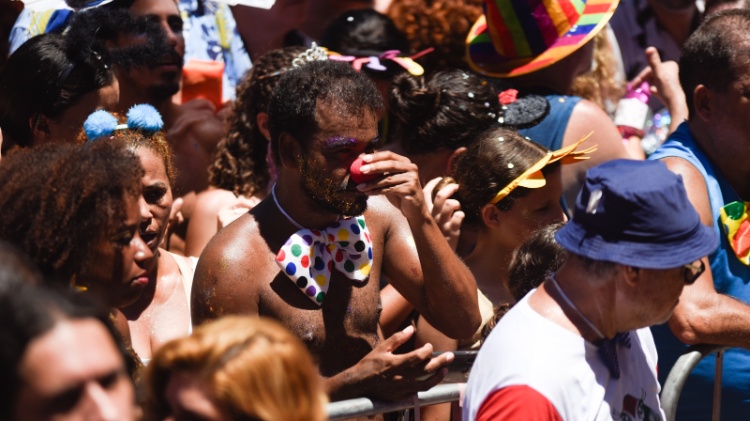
325	192
164	90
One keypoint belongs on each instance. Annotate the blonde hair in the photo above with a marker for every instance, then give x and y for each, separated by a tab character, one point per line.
600	85
254	368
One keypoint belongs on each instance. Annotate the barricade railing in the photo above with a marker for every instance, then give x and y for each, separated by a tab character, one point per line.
670	395
450	392
362	407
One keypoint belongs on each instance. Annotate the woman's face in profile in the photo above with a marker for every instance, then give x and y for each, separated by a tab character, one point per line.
156	199
536	210
117	268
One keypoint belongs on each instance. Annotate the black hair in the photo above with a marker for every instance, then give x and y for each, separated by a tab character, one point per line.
537	258
294	101
448	109
45	76
363	33
28	312
714	52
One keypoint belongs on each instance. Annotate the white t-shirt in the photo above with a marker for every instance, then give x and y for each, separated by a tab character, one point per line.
530	359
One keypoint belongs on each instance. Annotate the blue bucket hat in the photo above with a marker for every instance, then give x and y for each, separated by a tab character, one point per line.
636	213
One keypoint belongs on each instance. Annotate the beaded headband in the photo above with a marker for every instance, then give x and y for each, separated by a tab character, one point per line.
142	117
533	178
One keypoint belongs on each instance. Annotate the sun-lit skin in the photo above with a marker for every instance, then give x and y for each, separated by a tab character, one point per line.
156	201
161	313
343	335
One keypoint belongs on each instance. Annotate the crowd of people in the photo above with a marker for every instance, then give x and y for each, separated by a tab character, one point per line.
245	213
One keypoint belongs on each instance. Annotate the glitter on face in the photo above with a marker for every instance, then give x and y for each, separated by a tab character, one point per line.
510	165
339	142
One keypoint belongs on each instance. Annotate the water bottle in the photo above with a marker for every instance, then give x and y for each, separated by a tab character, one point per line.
633	113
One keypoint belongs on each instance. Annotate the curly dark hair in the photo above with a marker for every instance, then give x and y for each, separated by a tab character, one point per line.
491	163
448	109
240	159
22	173
78	191
294	101
441	24
45	76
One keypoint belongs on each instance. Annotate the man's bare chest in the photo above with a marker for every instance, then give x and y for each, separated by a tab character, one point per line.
339	332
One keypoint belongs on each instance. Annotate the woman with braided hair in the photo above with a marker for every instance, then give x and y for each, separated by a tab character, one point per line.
242	169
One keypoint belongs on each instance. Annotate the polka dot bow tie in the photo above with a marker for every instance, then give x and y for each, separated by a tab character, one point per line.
736	224
309	256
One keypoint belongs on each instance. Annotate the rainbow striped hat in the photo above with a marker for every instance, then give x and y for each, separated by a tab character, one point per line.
516	37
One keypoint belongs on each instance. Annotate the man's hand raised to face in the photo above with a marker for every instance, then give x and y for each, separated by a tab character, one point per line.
398	181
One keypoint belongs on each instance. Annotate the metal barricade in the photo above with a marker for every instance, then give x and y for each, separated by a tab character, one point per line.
670	395
362	407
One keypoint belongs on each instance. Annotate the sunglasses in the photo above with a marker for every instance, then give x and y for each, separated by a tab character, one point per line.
692	272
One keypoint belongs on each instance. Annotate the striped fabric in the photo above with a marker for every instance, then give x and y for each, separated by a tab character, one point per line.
515	37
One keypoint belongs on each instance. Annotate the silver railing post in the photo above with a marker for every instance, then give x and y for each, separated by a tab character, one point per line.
362	407
677	377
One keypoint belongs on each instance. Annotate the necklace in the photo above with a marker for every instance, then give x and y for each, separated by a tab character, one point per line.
284	212
573	306
278	205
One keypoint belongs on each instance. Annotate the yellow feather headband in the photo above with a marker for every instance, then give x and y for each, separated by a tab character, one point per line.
533	177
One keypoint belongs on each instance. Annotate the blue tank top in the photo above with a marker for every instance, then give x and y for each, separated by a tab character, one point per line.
730	278
550	131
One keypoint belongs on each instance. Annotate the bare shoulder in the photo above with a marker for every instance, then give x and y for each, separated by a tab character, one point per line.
588	118
230	272
204	220
695	185
170	284
212	200
382	214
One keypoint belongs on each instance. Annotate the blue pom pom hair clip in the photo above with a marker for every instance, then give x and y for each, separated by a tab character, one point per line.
143	117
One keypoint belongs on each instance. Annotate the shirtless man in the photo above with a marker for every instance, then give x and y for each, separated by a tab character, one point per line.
323	115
